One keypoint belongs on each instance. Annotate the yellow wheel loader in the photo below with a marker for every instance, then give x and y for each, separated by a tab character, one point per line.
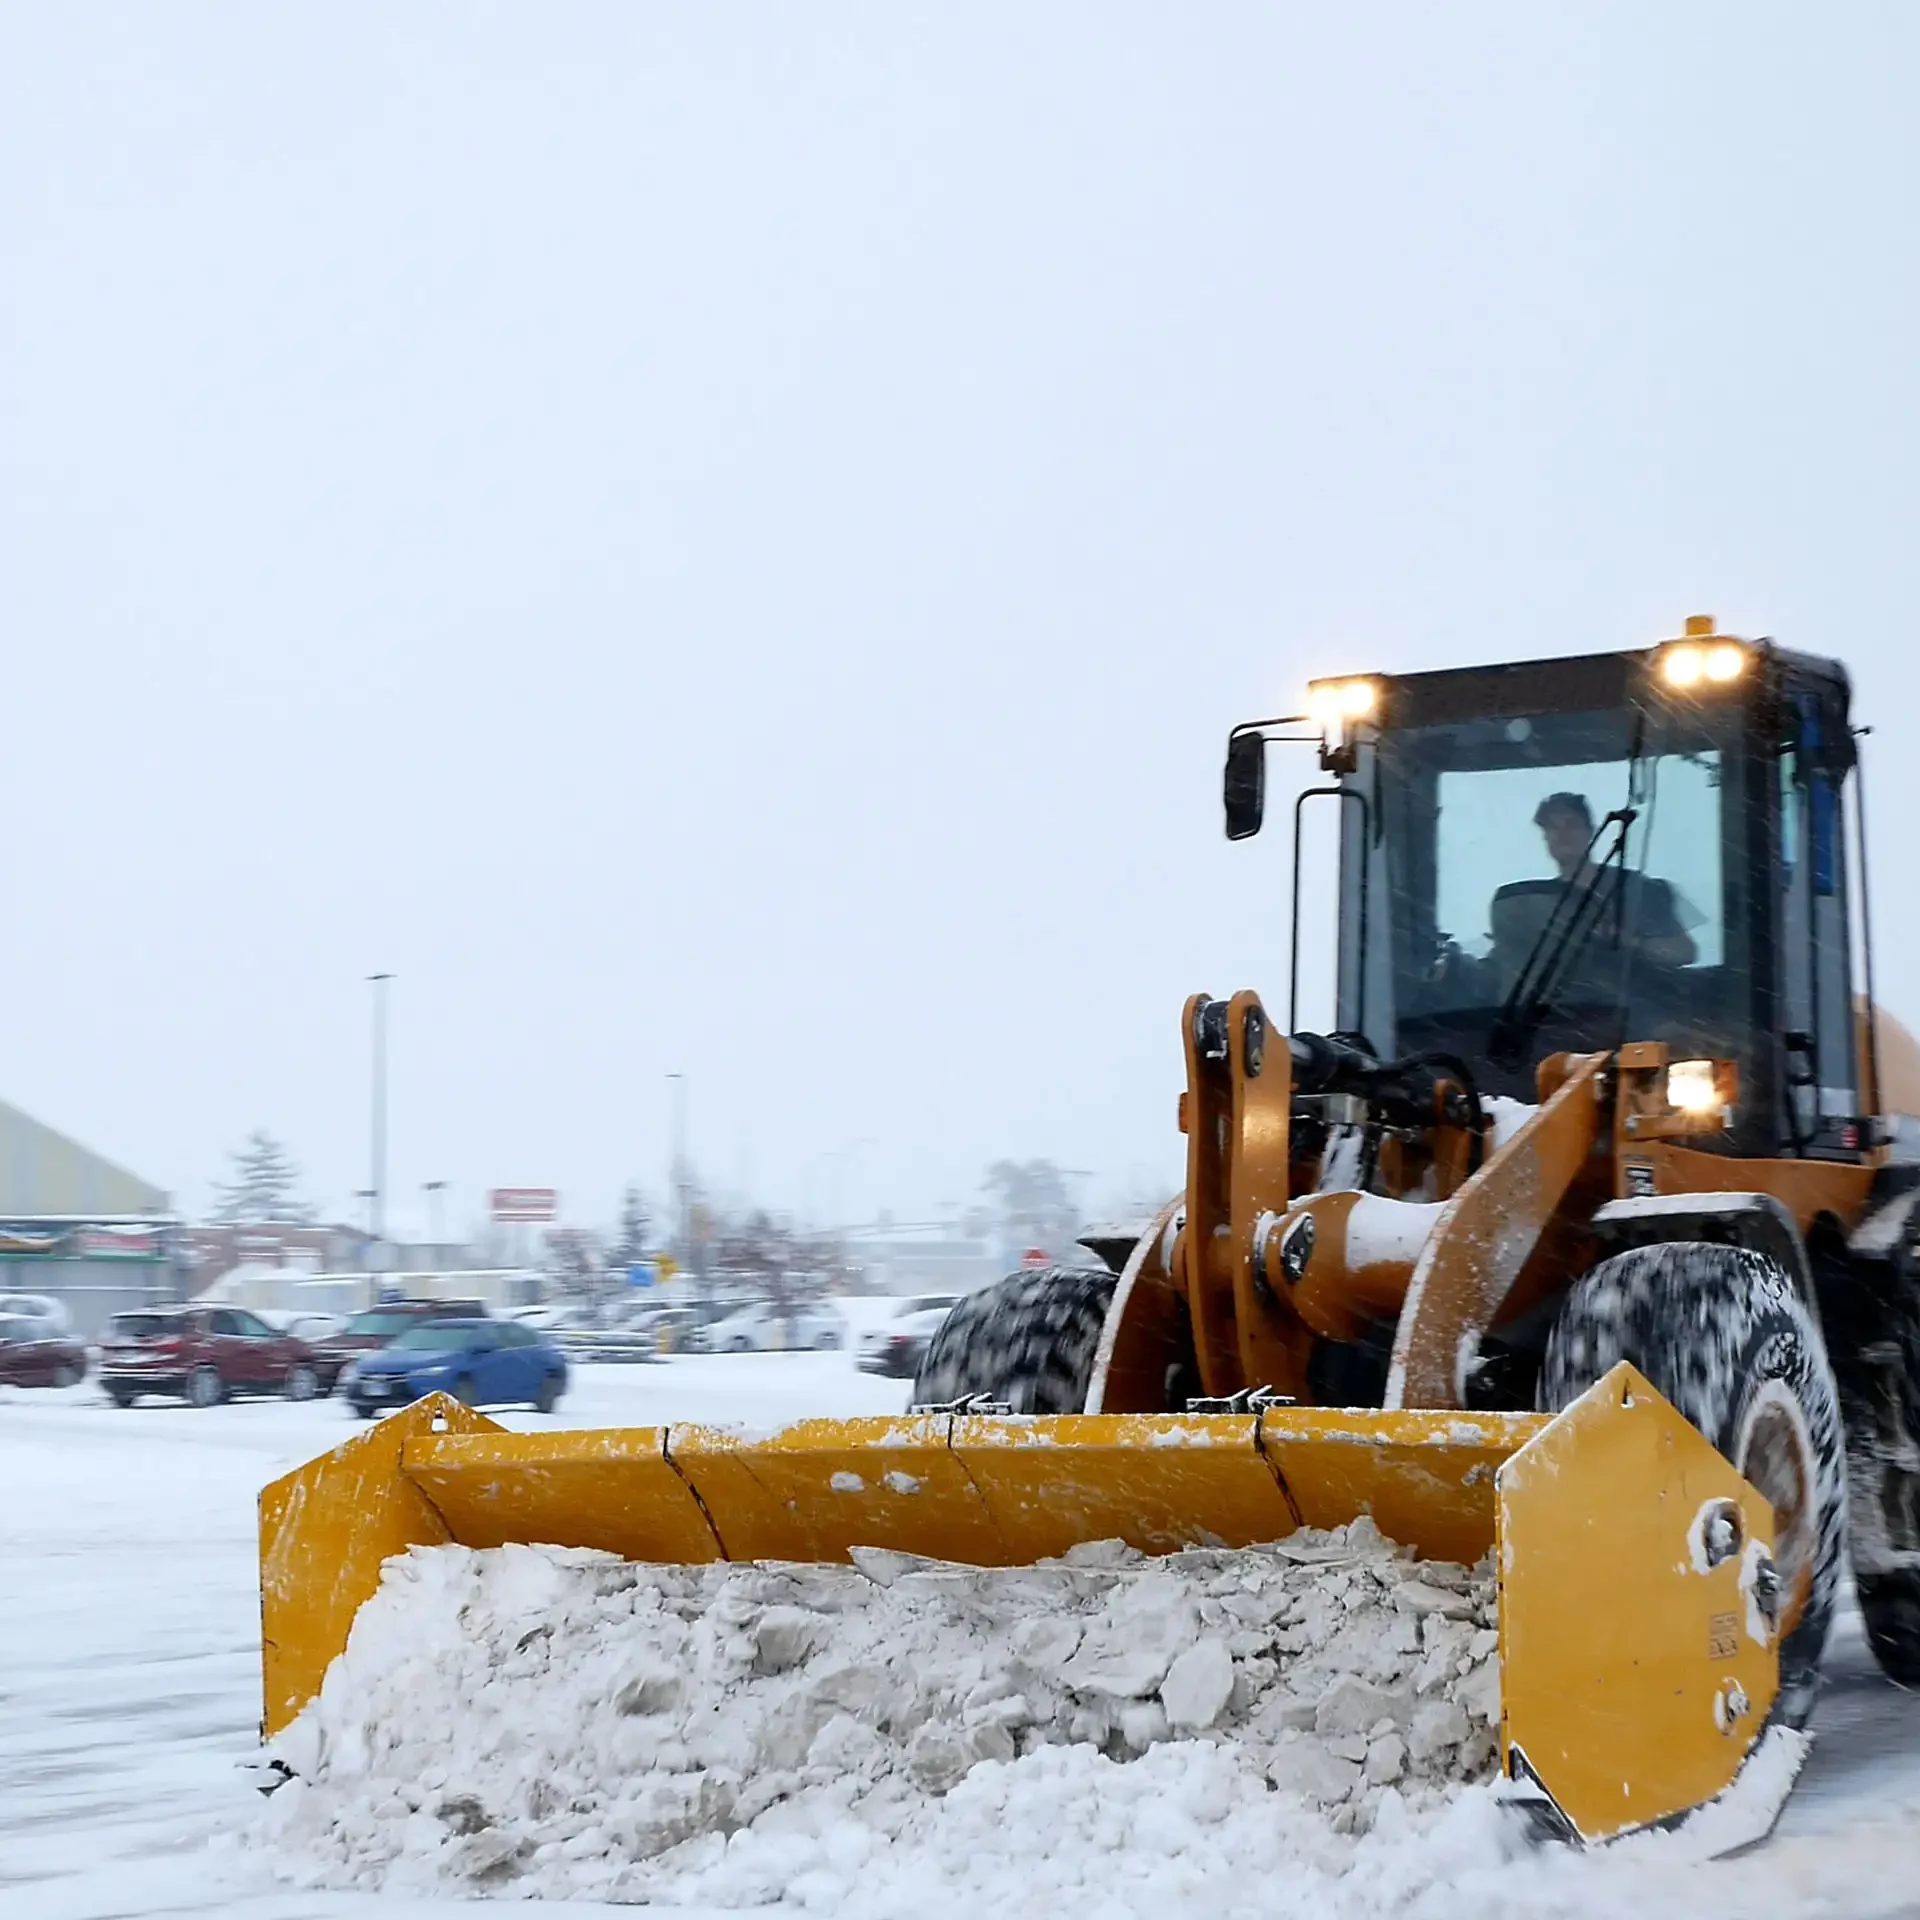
1586	1238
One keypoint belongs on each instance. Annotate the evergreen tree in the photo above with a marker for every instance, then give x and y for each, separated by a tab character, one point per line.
1034	1206
265	1186
630	1240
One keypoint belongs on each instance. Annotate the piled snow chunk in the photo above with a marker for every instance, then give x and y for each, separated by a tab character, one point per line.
540	1721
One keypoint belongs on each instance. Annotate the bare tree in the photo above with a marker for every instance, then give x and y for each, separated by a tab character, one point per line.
578	1261
756	1255
765	1256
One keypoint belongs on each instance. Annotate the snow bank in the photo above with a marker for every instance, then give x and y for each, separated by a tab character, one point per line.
1292	1723
1507	1116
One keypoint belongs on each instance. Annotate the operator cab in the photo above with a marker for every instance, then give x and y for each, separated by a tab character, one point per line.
1566	855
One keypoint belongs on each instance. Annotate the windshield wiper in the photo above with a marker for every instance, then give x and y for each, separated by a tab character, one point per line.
1576	910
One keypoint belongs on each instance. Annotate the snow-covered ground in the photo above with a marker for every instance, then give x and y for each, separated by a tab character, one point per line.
129	1699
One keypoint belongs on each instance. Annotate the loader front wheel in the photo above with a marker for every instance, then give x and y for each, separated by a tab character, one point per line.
1724	1335
1029	1340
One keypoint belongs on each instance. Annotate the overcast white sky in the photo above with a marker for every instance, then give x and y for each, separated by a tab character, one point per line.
729	539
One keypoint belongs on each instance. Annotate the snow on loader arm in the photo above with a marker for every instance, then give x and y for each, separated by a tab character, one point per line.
1637	1602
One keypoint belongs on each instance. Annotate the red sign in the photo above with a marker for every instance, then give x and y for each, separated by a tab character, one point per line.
1034	1257
524	1205
116	1243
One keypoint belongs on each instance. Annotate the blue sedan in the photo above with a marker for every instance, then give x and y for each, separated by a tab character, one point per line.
486	1363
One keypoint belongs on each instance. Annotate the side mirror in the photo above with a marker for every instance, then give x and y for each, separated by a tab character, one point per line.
1245	785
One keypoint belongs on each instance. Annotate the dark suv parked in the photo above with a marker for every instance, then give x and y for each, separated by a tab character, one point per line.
203	1355
34	1353
379	1327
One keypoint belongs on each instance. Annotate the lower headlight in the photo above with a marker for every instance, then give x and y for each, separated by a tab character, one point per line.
1693	1086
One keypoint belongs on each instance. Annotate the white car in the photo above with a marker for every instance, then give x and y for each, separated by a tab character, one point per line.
38	1306
765	1329
312	1327
881	1349
899	1345
550	1319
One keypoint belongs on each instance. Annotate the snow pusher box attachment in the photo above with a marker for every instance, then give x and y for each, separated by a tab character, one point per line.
1638	1610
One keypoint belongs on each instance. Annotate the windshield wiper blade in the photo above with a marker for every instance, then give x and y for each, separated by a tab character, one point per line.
1530	999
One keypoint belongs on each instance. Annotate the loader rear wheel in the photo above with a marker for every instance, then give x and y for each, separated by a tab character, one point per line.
1028	1340
1883	1448
1890	1610
1723	1333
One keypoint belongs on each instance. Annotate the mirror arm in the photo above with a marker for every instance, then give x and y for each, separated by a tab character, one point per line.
1244	791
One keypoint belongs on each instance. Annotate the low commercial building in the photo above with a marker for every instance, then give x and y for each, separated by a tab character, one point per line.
77	1228
299	1290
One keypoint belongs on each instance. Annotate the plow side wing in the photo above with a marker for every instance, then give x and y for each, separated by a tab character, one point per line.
325	1531
1611	1643
1637	1666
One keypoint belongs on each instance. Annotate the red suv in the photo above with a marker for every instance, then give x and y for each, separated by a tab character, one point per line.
203	1355
34	1353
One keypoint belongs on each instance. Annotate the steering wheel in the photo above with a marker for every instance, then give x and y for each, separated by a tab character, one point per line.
1451	977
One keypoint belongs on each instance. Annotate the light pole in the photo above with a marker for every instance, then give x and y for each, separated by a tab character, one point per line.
1078	1176
683	1231
837	1158
378	1192
433	1189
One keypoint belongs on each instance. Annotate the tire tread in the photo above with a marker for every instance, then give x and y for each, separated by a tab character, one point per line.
1029	1340
1706	1324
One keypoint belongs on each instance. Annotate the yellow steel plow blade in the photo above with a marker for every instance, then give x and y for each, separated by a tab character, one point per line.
1627	1696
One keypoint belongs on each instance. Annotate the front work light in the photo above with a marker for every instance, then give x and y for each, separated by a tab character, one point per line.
1333	704
1683	666
1702	657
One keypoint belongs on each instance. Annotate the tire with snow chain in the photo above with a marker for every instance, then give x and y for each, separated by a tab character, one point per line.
1028	1340
1883	1458
1723	1333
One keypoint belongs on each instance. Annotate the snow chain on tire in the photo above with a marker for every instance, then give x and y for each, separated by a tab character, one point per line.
1028	1341
1883	1461
1723	1333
